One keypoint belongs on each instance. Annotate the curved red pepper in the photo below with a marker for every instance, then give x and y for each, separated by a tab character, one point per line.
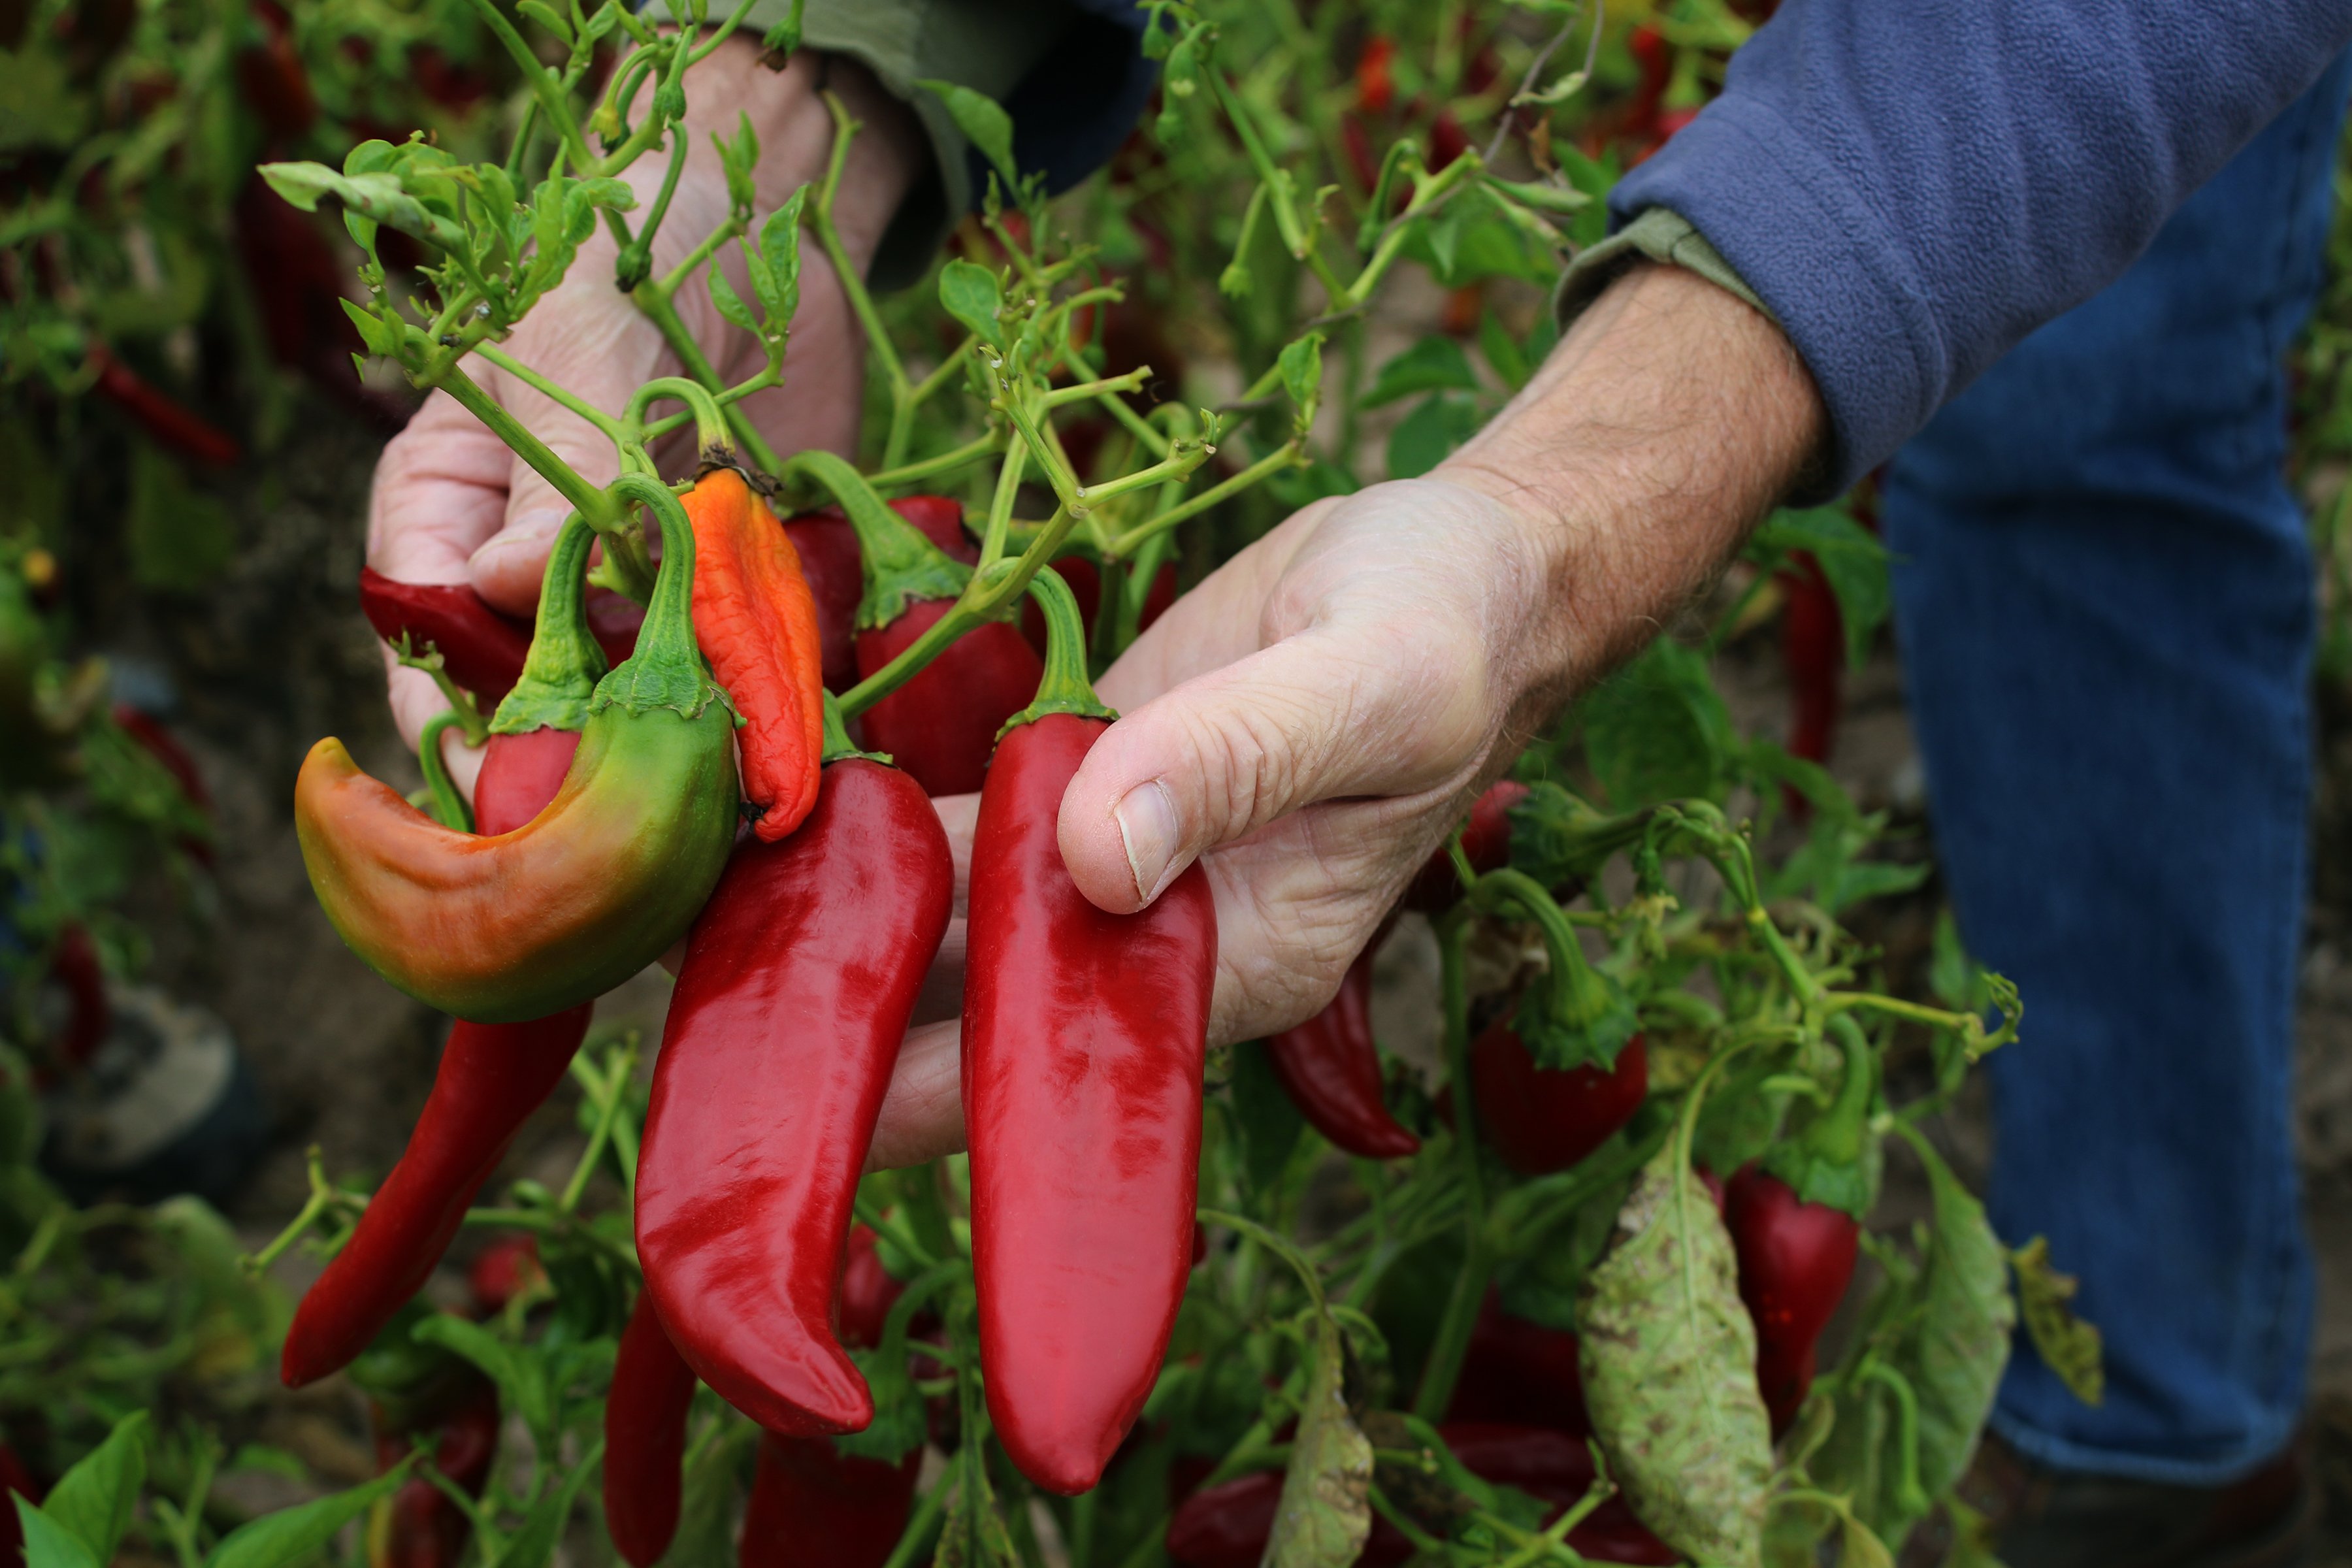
811	1504
1520	1372
1796	1260
189	434
1486	839
1084	1036
799	976
1227	1526
645	1437
491	1077
1331	1070
1547	1118
482	650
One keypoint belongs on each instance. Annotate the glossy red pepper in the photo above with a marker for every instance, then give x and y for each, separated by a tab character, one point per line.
645	1437
1227	1526
1547	1118
1520	1372
1796	1260
491	1077
521	773
424	1529
1331	1070
482	650
1084	1037
827	546
170	424
810	1504
799	976
1486	839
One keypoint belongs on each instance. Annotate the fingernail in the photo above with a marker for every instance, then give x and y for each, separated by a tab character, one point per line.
1146	826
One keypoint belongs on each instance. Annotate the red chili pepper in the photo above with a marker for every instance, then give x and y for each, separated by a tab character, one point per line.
482	650
645	1437
1084	1037
799	976
940	725
810	1503
1375	82
868	1290
1332	1070
1813	656
503	1270
827	547
1447	141
426	1529
1796	1260
1520	1372
1547	1119
757	626
491	1077
1486	839
190	434
1227	1526
521	773
1655	57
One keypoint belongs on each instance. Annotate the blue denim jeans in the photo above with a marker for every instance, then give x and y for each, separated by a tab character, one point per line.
2105	599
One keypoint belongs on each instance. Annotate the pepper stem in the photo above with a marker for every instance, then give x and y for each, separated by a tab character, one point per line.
667	671
1066	688
838	746
565	661
448	807
901	564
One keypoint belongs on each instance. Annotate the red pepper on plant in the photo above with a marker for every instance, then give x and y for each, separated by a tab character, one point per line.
616	865
1813	656
170	424
799	976
1084	1037
1520	1372
811	1504
1486	841
645	1437
481	650
1546	1119
1330	1067
503	1270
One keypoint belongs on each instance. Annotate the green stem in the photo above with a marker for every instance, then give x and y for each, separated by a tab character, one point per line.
1078	392
923	1526
587	499
671	283
1000	503
710	424
971	451
545	90
630	267
609	1089
657	308
1443	1367
606	423
449	808
852	283
1066	688
1283	457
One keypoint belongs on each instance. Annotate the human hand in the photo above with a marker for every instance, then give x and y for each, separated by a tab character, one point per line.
1317	717
453	504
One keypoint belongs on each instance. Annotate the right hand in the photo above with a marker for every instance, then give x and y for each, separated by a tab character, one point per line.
452	504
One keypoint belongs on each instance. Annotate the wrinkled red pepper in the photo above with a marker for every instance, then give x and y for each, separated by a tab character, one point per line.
1084	1037
799	976
1796	1260
1486	840
1547	1118
645	1437
1331	1070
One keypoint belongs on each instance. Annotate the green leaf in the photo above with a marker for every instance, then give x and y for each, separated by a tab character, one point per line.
1657	731
47	1543
739	158
730	303
1470	239
985	124
1432	364
1955	1357
706	1513
378	195
2070	1346
971	294
94	1498
1427	436
1502	352
179	539
285	1538
776	276
1325	1512
1301	363
533	1546
1853	561
546	16
1668	1355
1268	1122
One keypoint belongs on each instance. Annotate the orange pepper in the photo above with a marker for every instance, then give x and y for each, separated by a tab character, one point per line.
756	621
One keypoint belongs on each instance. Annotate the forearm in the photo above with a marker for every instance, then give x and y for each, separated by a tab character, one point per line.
1667	422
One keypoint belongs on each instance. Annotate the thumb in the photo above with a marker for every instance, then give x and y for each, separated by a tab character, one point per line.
1335	712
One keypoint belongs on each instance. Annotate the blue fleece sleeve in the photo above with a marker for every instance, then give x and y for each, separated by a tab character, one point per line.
1914	185
1075	106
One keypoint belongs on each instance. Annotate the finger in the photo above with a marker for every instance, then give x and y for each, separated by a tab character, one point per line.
942	996
922	1118
1344	709
440	492
958	814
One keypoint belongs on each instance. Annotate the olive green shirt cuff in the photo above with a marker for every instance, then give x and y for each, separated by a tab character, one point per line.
1655	235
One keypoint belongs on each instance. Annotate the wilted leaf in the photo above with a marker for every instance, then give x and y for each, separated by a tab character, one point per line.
2069	1346
1326	1512
1669	1357
1954	1360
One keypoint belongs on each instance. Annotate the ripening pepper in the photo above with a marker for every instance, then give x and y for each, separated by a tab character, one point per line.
799	976
1084	1036
585	894
1547	1118
1330	1069
757	624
